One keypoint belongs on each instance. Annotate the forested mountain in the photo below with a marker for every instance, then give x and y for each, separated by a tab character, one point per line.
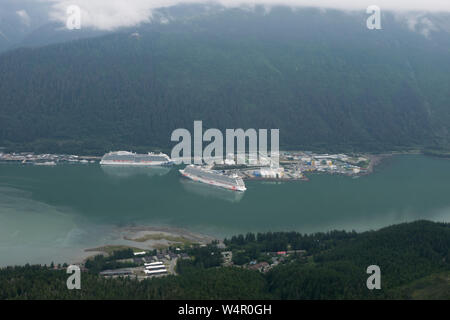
413	259
321	77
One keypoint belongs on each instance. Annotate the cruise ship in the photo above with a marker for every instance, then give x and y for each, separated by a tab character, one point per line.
213	177
125	158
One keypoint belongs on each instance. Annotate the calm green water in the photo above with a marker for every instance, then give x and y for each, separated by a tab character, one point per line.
51	213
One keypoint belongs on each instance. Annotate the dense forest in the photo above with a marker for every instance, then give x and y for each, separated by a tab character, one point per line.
322	78
413	257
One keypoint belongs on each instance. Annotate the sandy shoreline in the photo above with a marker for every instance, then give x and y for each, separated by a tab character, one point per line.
376	159
146	238
138	231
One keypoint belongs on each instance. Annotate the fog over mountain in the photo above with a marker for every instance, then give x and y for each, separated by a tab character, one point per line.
111	14
41	22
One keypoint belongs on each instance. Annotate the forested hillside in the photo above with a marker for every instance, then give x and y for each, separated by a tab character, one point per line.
413	258
322	78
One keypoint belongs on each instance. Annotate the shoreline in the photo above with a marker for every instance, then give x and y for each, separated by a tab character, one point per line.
375	160
146	238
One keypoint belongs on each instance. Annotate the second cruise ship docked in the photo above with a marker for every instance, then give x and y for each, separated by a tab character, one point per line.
213	177
125	158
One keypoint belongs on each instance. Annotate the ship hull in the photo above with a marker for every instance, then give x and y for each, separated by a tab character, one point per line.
212	182
135	164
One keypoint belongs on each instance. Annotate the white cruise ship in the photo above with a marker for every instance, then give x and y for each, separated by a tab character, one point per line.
125	158
213	177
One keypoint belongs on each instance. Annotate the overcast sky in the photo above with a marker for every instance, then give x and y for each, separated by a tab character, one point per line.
111	14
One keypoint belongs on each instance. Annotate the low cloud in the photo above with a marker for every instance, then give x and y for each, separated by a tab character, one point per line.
113	14
24	17
420	23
